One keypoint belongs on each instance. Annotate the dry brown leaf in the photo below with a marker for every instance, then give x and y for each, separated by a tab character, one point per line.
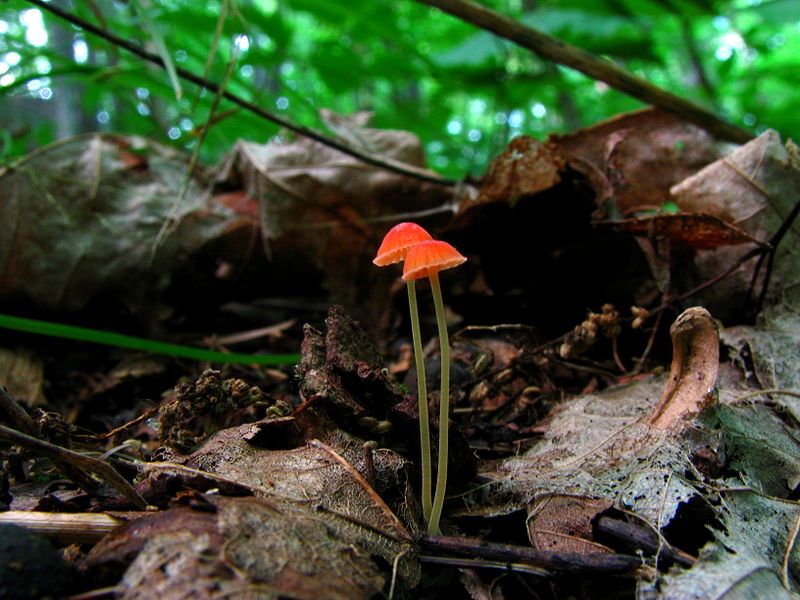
696	230
564	523
84	216
642	154
525	168
22	374
249	547
754	188
321	205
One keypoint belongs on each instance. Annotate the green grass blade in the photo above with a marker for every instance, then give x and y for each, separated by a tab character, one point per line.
119	340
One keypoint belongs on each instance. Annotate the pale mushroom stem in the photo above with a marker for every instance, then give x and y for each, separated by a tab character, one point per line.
444	406
422	396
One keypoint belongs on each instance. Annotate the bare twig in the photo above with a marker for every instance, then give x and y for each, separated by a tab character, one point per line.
710	282
15	414
774	241
75	459
383	163
110	434
476	563
602	70
67	528
562	562
790	544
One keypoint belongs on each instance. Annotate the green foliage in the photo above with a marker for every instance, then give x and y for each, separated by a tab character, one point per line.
463	91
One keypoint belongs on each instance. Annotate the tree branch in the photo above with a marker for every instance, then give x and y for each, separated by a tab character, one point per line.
602	70
383	163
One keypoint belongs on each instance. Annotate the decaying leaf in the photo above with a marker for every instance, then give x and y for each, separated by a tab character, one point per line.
602	446
564	523
318	203
601	450
83	217
755	189
331	475
696	230
755	554
525	168
249	547
768	355
598	446
642	154
22	374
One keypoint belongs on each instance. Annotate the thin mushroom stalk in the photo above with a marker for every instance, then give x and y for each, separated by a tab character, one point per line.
396	244
444	406
422	396
426	259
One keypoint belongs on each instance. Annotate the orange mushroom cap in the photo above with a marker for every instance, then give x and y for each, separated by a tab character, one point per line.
397	241
430	257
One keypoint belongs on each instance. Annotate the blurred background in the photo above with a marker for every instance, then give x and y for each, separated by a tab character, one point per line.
464	92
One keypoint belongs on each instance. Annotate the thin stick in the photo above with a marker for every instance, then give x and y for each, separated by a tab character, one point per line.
67	528
599	69
787	555
109	434
14	412
564	562
444	405
88	463
422	397
479	563
765	392
383	163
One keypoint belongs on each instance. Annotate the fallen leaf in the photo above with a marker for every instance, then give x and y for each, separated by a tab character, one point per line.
696	230
754	188
247	547
525	168
564	523
329	208
746	559
642	154
84	216
22	374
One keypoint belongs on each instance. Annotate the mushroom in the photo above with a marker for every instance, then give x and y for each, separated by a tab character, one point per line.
396	244
426	259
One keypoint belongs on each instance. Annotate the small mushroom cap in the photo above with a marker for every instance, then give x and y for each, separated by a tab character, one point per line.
397	241
430	257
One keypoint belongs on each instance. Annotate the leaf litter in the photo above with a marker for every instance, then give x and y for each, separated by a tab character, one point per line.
312	492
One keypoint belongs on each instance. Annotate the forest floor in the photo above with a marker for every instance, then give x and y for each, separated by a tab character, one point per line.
624	376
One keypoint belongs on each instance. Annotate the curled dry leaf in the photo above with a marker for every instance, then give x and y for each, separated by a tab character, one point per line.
696	230
641	154
694	368
755	189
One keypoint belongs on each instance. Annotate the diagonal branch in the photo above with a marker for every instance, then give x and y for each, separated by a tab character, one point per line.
77	460
602	70
382	163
